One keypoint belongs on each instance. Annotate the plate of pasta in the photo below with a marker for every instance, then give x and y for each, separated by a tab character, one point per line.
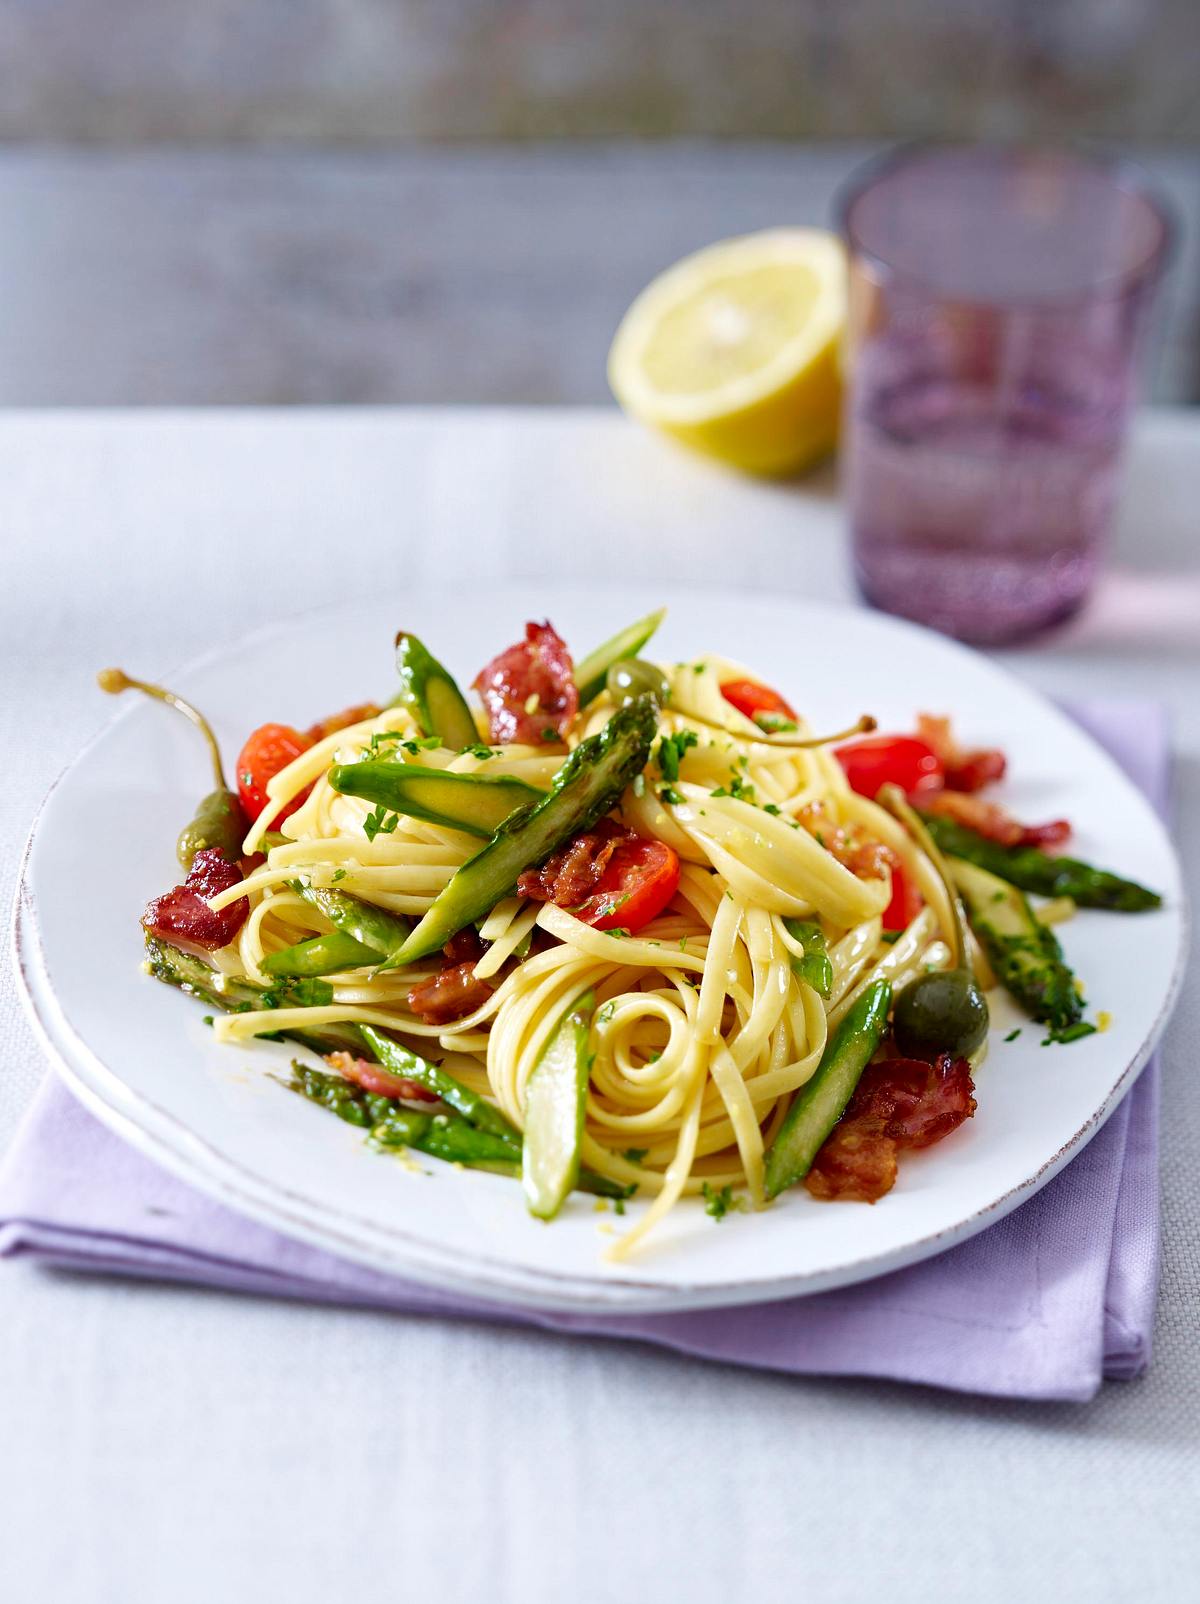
601	951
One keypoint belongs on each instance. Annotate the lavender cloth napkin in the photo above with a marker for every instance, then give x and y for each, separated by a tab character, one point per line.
1044	1304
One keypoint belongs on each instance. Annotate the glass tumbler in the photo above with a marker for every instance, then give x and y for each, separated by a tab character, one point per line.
997	301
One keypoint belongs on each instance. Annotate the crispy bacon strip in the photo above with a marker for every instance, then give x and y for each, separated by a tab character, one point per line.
182	915
342	721
529	691
570	875
898	1103
455	992
991	820
864	857
372	1078
966	768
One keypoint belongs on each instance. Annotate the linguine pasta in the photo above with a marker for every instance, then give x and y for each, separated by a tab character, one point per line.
703	1028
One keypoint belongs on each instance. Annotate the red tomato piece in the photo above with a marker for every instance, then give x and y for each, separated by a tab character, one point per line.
906	902
752	699
640	880
269	749
890	760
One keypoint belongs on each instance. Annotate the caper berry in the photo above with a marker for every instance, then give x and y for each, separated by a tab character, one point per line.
634	677
942	1012
218	822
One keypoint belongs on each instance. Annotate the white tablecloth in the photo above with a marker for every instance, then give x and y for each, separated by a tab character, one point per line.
161	1444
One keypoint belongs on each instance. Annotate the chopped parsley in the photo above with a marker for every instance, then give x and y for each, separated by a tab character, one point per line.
338	874
738	788
775	723
618	1205
380	822
671	749
635	1155
719	1203
668	794
1065	1033
770	807
393	738
481	752
1013	1034
550	733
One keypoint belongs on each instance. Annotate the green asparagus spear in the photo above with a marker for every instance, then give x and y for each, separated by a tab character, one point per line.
476	803
589	783
229	996
445	1136
373	927
400	1061
819	1103
591	673
1024	952
554	1106
322	955
815	967
1032	870
431	695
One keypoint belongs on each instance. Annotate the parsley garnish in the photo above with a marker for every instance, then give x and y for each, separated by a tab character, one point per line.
481	752
774	723
719	1203
738	788
380	822
338	874
671	749
1013	1034
1066	1033
618	1205
635	1155
668	794
384	738
769	807
549	733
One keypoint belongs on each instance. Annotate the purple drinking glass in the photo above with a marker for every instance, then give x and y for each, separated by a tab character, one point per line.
997	303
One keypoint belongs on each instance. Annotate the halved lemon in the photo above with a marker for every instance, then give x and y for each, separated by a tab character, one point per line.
735	350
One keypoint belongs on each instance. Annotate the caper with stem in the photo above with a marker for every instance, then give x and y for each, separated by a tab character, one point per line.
218	820
944	1011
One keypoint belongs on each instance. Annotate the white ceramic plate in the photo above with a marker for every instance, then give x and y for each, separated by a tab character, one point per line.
140	1057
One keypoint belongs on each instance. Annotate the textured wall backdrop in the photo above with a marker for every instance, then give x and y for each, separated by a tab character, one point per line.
366	70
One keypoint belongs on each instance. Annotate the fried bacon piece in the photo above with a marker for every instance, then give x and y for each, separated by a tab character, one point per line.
991	820
454	992
182	915
864	857
379	1082
571	874
966	768
898	1103
341	721
529	691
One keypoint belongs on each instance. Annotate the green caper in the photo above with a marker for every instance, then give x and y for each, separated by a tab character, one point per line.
634	677
218	822
942	1012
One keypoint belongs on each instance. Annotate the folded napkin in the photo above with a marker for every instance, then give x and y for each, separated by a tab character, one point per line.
1044	1304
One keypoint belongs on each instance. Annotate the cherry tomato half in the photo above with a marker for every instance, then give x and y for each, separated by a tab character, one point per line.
639	881
891	760
270	748
753	699
906	902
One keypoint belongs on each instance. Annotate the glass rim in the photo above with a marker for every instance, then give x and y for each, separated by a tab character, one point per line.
1125	174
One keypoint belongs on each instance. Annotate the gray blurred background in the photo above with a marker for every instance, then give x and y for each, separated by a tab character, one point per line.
300	201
